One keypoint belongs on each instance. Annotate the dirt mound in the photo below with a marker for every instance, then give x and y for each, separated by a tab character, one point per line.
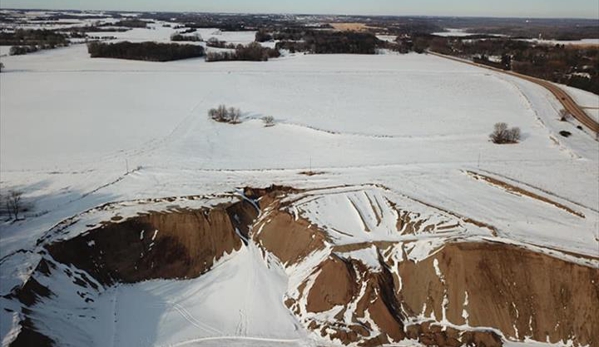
517	291
174	245
368	293
290	239
362	302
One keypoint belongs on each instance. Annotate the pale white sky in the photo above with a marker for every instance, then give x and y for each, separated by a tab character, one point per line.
492	8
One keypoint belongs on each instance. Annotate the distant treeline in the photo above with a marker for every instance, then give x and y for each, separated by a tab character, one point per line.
252	52
216	43
576	66
191	38
131	23
148	51
27	37
327	42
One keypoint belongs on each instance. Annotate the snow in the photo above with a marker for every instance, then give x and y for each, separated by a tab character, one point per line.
367	256
5	50
388	38
457	32
384	131
583	42
588	100
374	126
227	303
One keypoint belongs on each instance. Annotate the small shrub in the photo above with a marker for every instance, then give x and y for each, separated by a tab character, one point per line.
502	135
263	36
177	37
14	205
234	115
564	115
216	43
223	114
22	50
269	121
565	133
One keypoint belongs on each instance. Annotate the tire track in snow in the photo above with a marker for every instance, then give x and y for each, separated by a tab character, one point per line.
193	321
242	338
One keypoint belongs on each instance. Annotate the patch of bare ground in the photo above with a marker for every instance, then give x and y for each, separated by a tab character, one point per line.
493	230
350	284
288	237
517	291
520	191
463	293
349	26
411	223
177	245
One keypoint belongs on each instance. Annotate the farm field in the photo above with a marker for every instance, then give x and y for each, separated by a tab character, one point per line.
378	160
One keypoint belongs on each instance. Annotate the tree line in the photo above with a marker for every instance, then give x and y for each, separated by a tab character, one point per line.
31	37
252	52
177	37
148	51
328	42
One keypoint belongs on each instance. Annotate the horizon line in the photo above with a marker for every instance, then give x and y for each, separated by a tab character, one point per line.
304	14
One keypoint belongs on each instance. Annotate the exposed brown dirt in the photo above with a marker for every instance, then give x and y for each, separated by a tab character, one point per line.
431	334
343	281
175	245
29	337
517	291
290	239
335	285
32	292
511	289
511	188
349	26
492	229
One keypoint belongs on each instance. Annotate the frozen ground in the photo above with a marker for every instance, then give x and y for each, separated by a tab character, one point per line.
458	33
588	101
77	132
402	121
227	303
4	50
584	42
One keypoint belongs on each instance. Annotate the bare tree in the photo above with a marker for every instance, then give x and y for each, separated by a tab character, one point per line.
268	121
234	115
502	135
14	203
5	201
222	114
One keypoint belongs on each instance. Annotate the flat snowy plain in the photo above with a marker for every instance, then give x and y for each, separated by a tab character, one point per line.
78	132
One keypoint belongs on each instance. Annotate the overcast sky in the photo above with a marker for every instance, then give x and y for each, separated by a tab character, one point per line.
491	8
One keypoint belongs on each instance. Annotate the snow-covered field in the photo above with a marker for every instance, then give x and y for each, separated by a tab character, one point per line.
454	32
583	42
588	101
77	132
4	50
457	32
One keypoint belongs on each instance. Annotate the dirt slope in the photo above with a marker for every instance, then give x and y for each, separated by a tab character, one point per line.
367	294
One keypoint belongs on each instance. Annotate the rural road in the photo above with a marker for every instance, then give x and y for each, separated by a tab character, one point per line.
566	100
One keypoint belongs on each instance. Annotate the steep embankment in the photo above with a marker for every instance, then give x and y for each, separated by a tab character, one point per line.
393	271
